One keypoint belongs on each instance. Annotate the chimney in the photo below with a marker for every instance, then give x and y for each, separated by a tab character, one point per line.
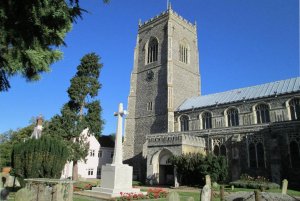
39	121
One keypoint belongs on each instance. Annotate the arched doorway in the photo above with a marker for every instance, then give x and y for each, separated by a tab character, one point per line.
166	170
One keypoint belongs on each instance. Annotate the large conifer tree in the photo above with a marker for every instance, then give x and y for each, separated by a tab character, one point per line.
82	110
30	31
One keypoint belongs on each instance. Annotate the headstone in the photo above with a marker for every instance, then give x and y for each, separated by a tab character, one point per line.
190	199
257	195
222	193
206	193
232	187
284	186
173	196
207	180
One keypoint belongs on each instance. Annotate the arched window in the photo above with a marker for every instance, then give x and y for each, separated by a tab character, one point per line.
295	155
256	155
206	120
183	53
216	150
252	155
152	50
262	113
184	123
233	117
260	155
223	150
295	108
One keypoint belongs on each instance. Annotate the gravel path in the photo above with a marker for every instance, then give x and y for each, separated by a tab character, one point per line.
249	196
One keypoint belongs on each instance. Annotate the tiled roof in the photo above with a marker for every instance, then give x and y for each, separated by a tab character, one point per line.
249	93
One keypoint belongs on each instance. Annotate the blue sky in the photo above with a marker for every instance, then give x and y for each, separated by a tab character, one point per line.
241	43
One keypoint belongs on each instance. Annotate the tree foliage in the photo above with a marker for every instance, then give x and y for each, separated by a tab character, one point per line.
42	158
8	139
31	31
192	168
81	111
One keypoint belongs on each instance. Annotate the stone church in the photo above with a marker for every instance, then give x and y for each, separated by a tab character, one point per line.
257	128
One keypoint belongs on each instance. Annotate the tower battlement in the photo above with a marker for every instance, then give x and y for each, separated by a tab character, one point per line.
168	13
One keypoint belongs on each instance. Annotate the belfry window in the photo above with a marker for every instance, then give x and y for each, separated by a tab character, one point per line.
152	52
183	53
206	120
233	117
295	108
184	123
262	113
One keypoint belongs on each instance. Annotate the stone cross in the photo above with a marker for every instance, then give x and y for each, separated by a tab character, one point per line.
118	153
284	186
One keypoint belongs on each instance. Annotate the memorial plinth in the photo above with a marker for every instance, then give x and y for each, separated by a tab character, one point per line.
116	177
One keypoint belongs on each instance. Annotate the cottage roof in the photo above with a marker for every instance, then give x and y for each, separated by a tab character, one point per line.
276	88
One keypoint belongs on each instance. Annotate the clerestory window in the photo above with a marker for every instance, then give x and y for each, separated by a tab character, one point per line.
262	113
233	117
206	120
294	105
184	123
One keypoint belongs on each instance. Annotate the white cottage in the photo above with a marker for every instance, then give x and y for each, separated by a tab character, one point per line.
87	168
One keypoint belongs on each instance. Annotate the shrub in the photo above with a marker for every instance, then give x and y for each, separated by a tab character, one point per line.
41	158
258	182
192	168
152	193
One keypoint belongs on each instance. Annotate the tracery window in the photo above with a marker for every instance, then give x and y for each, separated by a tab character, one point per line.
206	120
223	151
184	123
152	50
256	155
183	53
233	117
295	154
252	155
262	113
216	150
295	108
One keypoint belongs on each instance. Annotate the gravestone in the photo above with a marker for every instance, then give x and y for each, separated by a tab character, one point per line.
173	196
190	199
206	191
284	186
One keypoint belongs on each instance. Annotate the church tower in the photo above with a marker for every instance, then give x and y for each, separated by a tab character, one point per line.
165	73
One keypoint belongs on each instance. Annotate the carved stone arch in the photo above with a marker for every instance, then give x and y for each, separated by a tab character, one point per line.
255	111
160	166
287	105
226	115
